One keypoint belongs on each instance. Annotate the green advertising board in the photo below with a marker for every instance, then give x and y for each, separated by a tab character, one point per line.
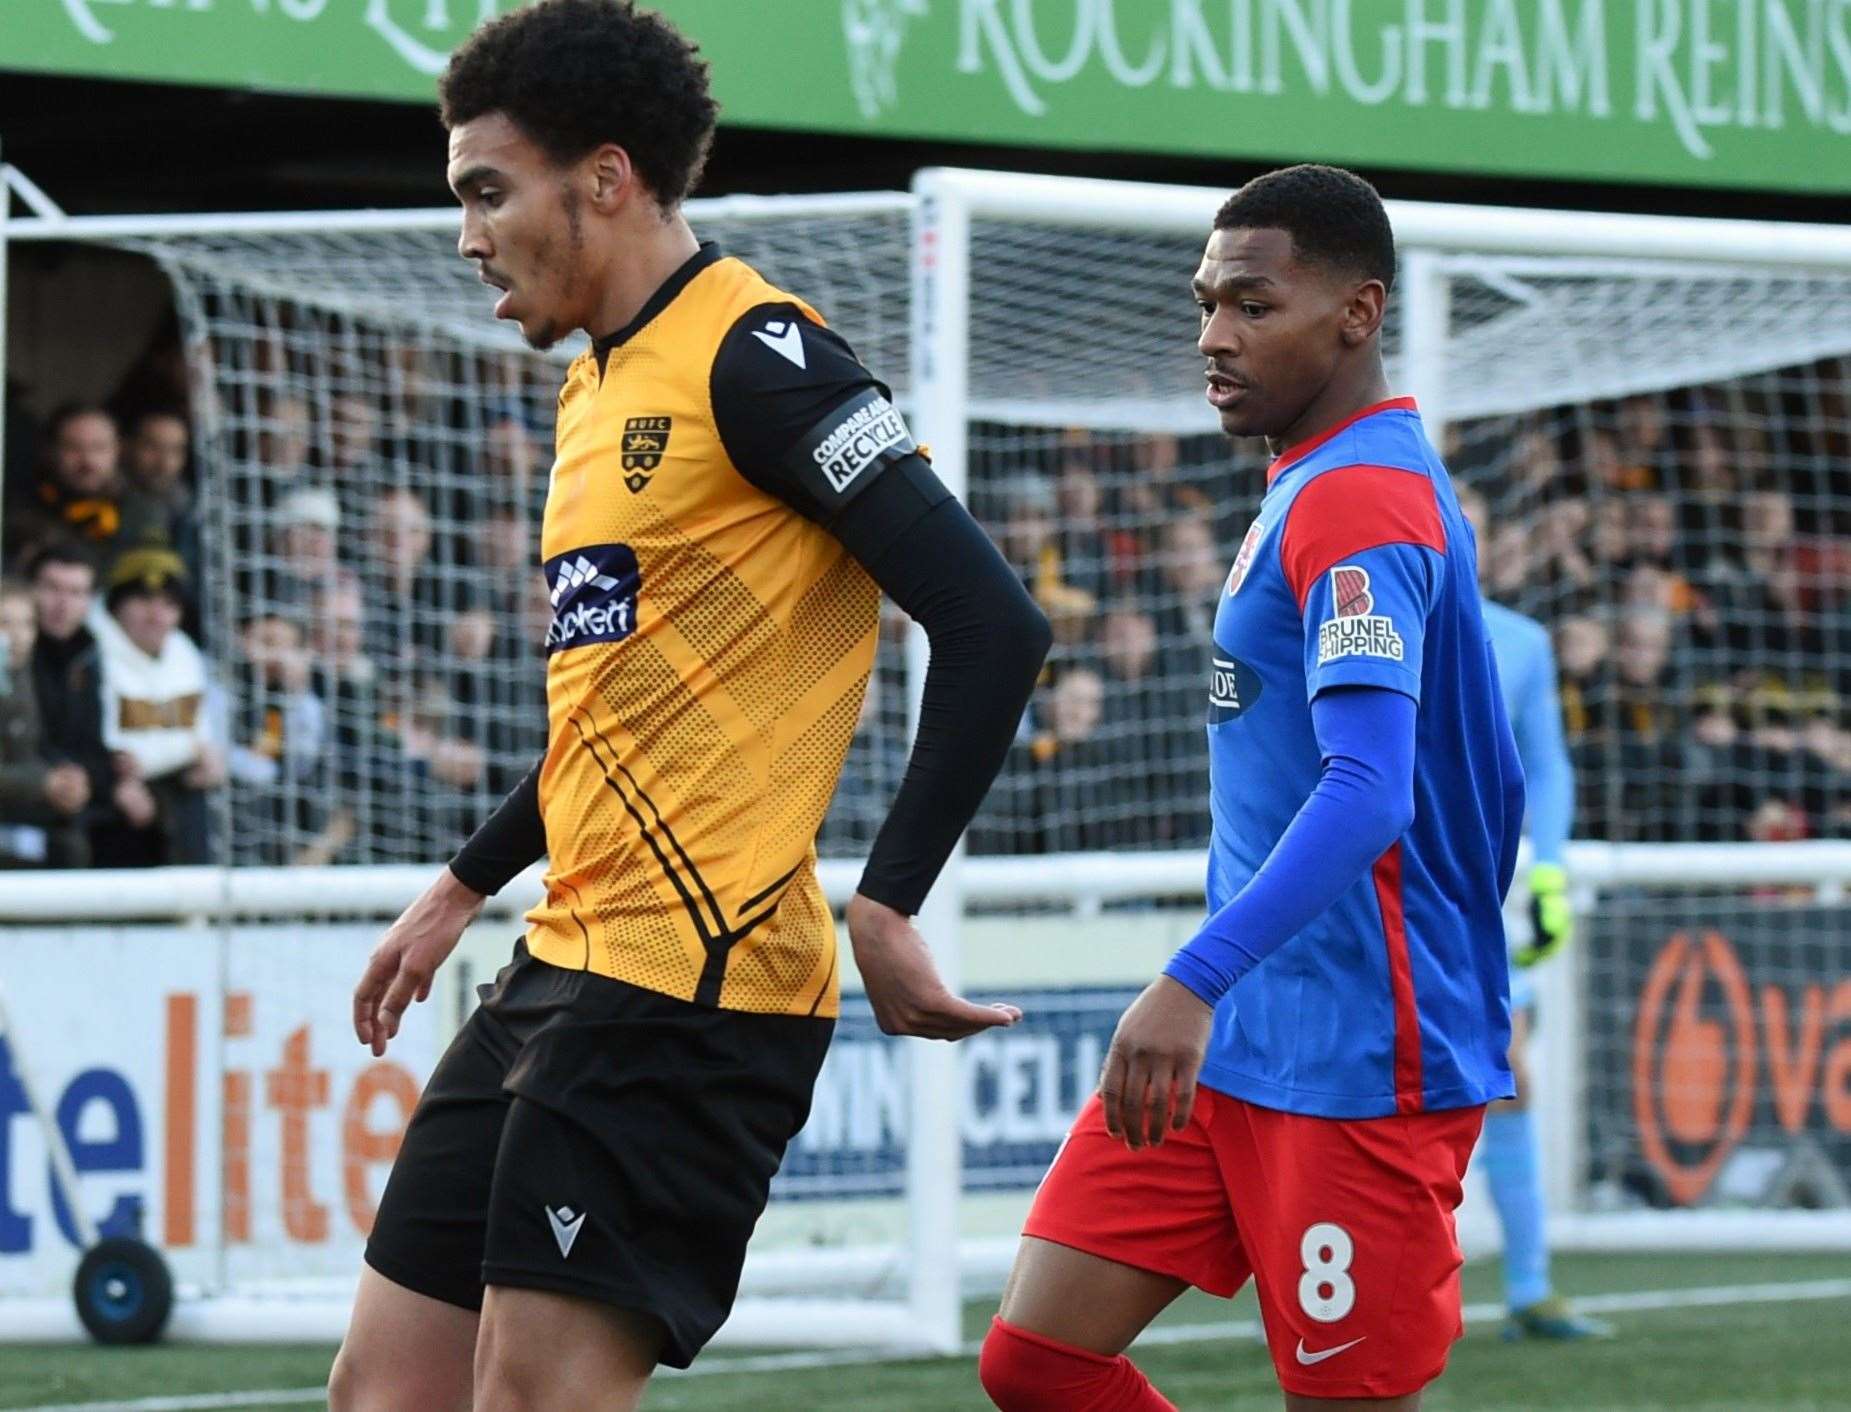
1743	93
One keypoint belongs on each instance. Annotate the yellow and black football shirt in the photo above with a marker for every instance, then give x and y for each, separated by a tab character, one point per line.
711	641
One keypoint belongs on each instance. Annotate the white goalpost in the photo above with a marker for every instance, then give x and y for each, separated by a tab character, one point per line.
1039	333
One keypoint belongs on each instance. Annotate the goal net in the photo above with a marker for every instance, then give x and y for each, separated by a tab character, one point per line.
1652	414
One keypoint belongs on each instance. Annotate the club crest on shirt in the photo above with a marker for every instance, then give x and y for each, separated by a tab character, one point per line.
1244	559
645	440
1355	631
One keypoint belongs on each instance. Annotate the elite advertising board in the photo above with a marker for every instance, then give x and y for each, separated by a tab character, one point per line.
212	1095
1734	93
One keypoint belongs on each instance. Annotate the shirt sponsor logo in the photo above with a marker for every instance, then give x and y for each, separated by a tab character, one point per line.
872	430
1243	561
1349	590
1372	636
645	441
594	592
1356	631
1233	687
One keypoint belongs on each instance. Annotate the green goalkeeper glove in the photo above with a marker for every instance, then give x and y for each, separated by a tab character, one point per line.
1552	919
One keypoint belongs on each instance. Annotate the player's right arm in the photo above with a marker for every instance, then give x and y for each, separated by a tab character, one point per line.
405	962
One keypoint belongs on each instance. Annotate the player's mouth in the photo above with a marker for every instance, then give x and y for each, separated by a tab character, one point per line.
494	281
1224	391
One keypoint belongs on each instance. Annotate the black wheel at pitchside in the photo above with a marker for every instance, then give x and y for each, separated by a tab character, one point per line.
124	1291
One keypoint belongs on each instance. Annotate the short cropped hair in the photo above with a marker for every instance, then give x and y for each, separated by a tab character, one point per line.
58	552
1334	217
575	74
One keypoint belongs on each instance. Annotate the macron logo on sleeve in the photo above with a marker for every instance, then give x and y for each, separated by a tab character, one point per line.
785	339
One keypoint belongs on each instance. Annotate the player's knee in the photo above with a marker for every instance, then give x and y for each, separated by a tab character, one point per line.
358	1383
1005	1374
1029	1372
343	1384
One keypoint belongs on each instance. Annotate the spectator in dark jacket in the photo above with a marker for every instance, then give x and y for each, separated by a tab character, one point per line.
156	488
40	802
67	674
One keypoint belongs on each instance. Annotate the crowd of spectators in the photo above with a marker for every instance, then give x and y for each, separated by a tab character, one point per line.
337	655
1690	554
333	658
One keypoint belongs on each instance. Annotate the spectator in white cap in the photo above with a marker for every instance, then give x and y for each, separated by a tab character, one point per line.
307	548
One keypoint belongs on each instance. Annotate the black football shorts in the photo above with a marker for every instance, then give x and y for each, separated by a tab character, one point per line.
595	1138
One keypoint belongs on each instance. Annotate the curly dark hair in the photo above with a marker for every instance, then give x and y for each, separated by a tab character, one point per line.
1333	216
575	74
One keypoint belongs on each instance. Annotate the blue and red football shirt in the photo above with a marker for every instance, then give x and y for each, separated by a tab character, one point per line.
1360	570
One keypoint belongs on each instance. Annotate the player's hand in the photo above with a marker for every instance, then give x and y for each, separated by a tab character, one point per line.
1552	917
903	984
1148	1084
405	962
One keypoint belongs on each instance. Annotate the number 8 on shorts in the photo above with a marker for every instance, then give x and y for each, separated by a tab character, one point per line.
1325	1290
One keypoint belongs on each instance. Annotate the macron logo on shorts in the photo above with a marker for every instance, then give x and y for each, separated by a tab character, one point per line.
565	1227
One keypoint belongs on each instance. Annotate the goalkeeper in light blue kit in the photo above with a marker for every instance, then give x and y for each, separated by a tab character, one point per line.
1507	1150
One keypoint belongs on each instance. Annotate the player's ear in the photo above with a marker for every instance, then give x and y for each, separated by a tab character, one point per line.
1362	315
611	177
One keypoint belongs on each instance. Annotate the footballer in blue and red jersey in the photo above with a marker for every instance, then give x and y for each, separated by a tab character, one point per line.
1360	571
1296	1098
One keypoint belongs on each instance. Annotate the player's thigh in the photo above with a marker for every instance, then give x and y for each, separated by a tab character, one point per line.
429	1233
1349	1225
638	1155
1083	1300
1114	1235
403	1349
541	1350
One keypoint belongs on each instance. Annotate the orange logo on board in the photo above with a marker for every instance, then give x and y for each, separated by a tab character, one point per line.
1693	1061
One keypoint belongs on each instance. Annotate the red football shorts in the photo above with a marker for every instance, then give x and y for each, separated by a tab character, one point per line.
1346	1225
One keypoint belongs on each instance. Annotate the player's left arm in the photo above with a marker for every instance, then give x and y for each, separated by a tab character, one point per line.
1549	777
803	419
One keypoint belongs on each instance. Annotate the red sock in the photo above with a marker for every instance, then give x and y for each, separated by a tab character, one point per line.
1029	1372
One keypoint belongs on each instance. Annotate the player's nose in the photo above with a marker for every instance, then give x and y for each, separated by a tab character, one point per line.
1217	337
471	242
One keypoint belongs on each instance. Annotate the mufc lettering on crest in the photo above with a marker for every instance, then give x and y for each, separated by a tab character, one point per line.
645	441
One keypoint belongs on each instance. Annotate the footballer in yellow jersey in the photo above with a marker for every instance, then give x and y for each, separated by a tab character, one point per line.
732	492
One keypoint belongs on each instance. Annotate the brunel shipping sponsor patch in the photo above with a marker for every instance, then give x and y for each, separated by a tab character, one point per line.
1356	631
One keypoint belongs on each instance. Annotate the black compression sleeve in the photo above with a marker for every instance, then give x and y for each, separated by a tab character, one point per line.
988	640
511	838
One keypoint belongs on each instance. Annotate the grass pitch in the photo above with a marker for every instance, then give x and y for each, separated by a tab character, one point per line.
1781	1346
